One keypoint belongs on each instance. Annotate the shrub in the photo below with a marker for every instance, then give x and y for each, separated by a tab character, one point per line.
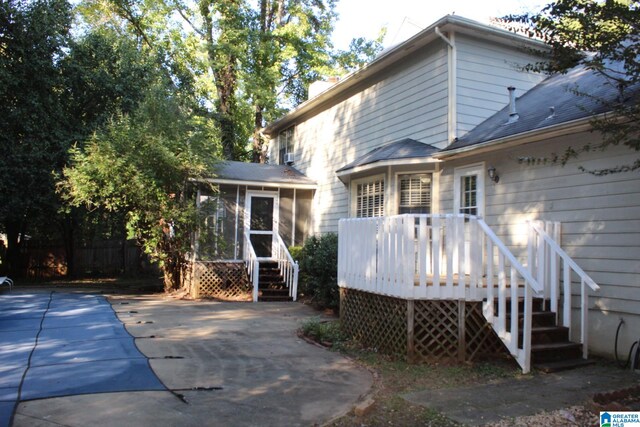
319	270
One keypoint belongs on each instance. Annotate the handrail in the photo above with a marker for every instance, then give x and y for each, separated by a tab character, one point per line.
252	263
549	271
499	323
288	267
526	275
566	258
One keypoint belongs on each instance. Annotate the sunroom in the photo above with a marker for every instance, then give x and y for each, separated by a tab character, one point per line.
249	215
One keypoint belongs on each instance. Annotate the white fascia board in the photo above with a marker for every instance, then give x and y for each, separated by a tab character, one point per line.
257	183
385	163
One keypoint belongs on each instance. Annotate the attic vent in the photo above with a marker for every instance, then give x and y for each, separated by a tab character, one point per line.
513	113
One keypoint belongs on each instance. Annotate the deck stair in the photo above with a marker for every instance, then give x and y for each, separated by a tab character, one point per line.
271	283
551	349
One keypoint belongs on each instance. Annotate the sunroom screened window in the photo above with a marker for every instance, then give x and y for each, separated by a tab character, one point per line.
415	194
469	195
370	199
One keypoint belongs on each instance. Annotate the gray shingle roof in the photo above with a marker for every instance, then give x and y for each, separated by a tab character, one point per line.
403	149
577	94
256	172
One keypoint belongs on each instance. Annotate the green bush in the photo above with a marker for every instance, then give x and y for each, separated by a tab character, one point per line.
319	270
296	252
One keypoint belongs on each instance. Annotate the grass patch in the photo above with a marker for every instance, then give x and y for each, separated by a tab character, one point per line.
326	332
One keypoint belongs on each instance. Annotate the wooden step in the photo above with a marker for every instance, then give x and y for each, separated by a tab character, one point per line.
274	295
538	304
538	319
563	365
546	335
554	352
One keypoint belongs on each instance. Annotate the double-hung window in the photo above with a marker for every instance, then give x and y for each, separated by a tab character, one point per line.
415	193
285	144
468	190
369	197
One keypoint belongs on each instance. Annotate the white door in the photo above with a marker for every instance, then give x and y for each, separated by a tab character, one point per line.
261	221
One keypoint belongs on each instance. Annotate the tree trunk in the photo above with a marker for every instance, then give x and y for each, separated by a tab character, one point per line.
258	155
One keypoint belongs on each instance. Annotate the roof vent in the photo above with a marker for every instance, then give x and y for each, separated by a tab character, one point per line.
513	113
552	113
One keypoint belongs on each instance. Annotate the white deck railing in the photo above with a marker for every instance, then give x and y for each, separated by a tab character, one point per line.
288	267
252	263
548	262
415	256
439	257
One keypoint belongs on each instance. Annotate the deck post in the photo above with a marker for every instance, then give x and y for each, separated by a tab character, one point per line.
411	345
462	332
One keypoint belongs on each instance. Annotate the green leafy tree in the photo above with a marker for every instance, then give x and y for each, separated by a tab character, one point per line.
603	36
33	128
141	164
260	56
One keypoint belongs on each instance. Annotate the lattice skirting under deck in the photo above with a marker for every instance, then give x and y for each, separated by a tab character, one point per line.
221	280
422	329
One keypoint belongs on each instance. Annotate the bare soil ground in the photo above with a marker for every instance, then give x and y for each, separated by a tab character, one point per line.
394	378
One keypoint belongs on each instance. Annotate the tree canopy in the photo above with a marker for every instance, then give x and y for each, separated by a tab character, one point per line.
603	36
110	107
249	61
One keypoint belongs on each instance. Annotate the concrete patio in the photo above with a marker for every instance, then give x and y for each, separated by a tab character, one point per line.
216	364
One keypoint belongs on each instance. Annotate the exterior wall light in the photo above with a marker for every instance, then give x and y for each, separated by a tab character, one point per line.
493	176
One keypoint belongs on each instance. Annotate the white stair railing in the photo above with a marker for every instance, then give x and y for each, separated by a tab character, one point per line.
252	264
288	267
504	274
546	259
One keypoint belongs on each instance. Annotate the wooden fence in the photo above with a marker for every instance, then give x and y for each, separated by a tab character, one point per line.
100	258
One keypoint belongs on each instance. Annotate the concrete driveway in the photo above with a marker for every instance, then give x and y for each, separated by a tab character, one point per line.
237	364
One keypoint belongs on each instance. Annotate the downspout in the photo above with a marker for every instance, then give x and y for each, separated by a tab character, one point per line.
452	68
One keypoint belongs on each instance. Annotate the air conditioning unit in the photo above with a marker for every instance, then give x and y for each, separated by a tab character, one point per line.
288	158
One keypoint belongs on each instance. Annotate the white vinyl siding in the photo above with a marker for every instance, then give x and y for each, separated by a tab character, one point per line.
408	101
485	70
415	194
600	219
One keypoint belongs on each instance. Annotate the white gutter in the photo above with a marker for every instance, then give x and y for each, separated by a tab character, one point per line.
257	183
385	163
577	125
452	94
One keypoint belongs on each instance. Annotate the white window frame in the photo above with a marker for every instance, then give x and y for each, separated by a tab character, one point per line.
354	192
398	189
289	145
478	170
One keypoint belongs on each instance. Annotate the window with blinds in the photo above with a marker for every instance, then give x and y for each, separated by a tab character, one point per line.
370	199
285	144
469	195
415	194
